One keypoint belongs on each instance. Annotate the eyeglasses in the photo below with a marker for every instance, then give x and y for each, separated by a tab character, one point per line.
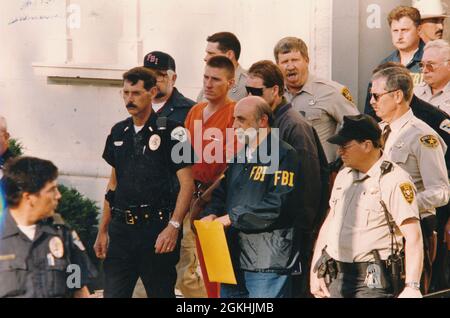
255	91
346	146
377	97
431	66
134	94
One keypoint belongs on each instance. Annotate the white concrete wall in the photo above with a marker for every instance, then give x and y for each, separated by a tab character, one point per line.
66	120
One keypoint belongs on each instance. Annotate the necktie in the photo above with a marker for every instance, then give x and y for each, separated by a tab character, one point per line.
386	132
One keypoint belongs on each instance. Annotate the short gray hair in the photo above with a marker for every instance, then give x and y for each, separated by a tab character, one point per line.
442	45
397	78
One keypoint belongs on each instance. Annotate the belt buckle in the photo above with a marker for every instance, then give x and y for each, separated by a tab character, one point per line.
129	218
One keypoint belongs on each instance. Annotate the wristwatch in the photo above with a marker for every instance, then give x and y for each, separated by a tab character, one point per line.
413	285
175	224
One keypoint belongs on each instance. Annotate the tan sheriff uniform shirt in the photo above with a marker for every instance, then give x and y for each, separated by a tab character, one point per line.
419	150
357	223
441	100
238	91
324	104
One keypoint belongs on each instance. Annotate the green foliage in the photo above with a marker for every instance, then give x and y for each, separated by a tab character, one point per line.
15	147
80	213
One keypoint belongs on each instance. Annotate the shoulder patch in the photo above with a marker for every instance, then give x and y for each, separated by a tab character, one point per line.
445	126
346	93
408	192
429	141
179	134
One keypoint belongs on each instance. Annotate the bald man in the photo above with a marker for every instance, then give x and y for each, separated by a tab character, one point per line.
257	203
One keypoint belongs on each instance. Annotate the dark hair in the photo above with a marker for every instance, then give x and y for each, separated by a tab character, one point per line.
222	62
227	41
403	11
141	74
291	44
270	73
26	174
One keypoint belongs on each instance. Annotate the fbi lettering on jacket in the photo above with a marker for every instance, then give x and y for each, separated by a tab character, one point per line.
280	177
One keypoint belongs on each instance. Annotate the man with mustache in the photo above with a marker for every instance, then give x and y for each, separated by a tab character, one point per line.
145	205
322	102
168	102
433	18
404	23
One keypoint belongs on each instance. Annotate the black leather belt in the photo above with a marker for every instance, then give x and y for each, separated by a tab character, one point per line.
141	215
354	268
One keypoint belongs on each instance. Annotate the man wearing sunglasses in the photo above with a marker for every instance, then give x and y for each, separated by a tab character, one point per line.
433	17
414	146
168	102
436	75
266	80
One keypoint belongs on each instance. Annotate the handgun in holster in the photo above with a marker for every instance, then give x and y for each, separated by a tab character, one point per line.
326	267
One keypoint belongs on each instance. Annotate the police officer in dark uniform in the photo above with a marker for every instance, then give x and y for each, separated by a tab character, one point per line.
39	256
148	195
168	102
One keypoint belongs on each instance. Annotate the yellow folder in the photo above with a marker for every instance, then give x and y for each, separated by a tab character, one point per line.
215	252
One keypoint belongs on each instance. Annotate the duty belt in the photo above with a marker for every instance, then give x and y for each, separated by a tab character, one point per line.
141	215
353	268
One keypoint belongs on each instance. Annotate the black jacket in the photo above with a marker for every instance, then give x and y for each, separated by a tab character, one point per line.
262	206
177	107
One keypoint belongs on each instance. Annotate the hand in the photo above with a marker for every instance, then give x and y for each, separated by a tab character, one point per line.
209	218
101	244
225	220
409	292
318	287
167	240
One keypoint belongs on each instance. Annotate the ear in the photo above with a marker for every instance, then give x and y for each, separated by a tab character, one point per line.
174	78
230	55
264	121
399	96
231	82
28	198
153	91
276	90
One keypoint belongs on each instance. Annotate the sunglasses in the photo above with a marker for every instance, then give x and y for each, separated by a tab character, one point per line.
431	66
377	97
254	91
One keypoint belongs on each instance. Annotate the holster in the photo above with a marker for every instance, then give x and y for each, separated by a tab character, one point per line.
396	270
326	267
